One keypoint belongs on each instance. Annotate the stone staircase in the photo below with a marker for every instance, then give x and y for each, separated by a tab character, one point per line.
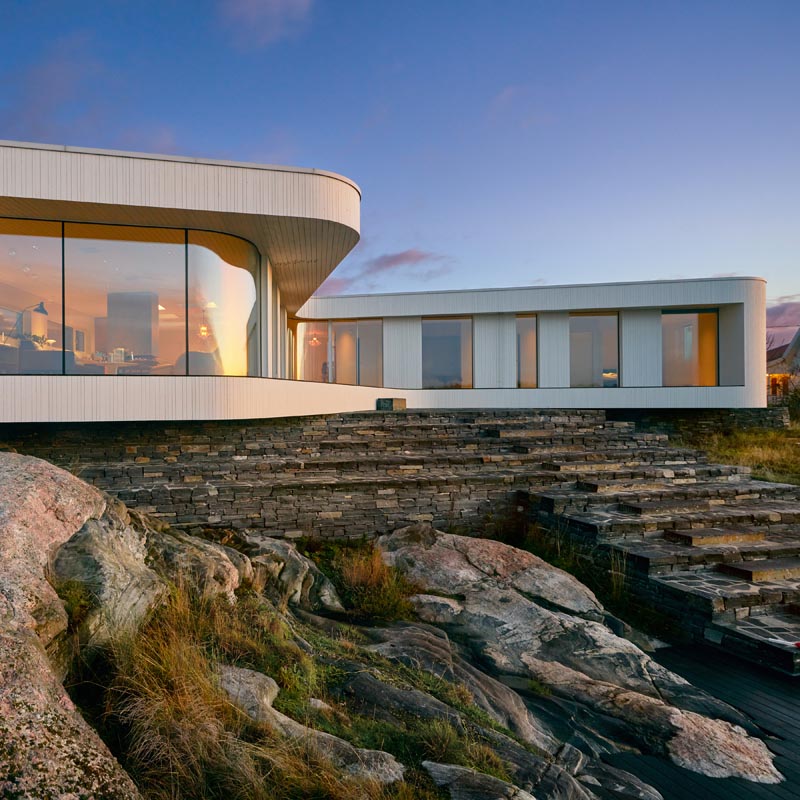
699	541
704	544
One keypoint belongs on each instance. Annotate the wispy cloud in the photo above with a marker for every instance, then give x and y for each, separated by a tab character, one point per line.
503	101
414	264
785	298
64	98
513	105
48	102
257	23
150	139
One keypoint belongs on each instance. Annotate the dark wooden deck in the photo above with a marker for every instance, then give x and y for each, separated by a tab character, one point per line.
771	700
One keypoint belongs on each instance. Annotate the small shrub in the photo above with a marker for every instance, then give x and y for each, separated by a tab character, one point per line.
78	601
538	688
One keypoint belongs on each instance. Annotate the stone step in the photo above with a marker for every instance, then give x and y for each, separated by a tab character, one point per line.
527	431
766	570
609	524
654	476
770	638
641	509
720	597
659	555
665	494
713	536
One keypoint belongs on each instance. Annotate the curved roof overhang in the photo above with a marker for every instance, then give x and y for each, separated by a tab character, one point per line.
304	221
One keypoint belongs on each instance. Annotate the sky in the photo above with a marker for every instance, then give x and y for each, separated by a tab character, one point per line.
496	143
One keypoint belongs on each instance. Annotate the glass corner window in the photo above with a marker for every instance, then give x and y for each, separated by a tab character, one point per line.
690	344
339	351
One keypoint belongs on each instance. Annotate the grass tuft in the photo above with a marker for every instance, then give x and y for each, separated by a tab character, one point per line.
372	591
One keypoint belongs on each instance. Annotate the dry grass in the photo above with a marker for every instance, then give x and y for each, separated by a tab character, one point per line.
773	455
180	736
373	591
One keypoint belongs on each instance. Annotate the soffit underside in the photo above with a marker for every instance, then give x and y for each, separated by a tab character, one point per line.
301	251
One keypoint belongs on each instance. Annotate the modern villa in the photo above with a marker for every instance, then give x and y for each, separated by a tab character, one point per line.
147	287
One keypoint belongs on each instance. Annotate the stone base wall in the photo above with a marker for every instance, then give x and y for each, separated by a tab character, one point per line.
689	424
268	475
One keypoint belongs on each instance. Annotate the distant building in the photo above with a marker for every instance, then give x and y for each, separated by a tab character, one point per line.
783	369
144	287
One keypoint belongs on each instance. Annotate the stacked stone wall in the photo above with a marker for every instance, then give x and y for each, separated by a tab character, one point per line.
691	423
339	476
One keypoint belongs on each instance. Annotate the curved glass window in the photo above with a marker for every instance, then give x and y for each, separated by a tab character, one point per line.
95	299
223	308
30	297
125	300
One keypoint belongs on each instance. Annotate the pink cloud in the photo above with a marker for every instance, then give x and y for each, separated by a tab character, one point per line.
786	314
262	22
416	264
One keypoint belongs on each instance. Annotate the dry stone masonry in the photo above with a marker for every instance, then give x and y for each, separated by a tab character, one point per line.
702	543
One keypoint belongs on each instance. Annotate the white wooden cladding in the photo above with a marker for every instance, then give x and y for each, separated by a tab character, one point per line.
494	348
700	292
741	304
402	352
640	346
305	221
97	398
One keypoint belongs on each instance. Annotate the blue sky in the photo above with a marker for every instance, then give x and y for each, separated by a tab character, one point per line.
496	143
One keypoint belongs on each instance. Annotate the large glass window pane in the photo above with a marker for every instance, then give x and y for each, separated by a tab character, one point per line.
311	351
447	353
125	299
593	350
689	348
223	307
30	297
370	352
526	352
345	352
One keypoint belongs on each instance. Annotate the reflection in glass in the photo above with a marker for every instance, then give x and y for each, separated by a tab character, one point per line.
223	312
344	345
311	348
30	297
689	348
593	350
352	354
447	353
526	352
370	352
124	300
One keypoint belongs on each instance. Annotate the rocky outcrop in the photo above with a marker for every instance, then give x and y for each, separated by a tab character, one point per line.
207	567
428	648
467	784
47	750
288	576
254	693
107	558
521	619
